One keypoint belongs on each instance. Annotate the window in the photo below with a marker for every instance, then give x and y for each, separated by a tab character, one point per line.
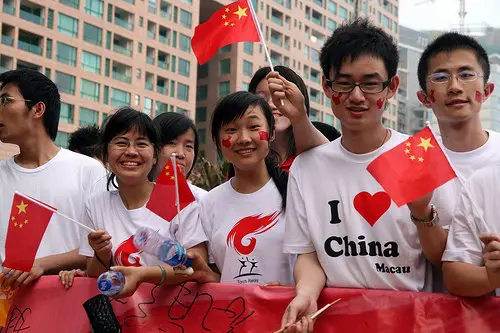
48	51
88	117
62	139
89	90
224	88
148	106
202	93
225	49
343	13
329	119
67	111
65	83
182	111
91	62
385	21
160	108
331	25
202	71
244	86
182	92
184	67
202	133
248	48
119	97
332	7
225	66
48	72
184	43
50	19
68	25
71	3
105	94
185	18
92	34
247	68
94	8
201	115
66	54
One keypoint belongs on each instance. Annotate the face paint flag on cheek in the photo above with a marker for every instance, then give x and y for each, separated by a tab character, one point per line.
336	98
431	97
264	136
479	97
380	103
227	141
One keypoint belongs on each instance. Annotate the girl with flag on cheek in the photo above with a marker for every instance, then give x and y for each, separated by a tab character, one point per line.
244	218
130	145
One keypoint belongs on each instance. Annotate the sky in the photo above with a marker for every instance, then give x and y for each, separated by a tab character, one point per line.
443	14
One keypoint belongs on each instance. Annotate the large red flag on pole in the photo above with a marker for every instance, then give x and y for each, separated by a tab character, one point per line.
231	24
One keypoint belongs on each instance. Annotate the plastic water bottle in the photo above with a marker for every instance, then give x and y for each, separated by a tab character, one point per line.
111	283
167	250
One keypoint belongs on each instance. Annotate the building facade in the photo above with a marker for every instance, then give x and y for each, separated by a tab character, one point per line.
104	54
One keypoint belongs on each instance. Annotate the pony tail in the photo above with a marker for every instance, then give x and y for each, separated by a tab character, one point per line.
279	176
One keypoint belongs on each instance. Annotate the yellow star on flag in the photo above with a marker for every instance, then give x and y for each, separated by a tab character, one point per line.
408	144
226	23
25	221
22	207
172	178
232	24
421	159
227	10
241	12
425	143
167	173
13	218
20	225
15	224
412	157
224	16
167	167
407	151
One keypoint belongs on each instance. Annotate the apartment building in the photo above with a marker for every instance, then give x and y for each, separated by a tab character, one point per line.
295	31
104	54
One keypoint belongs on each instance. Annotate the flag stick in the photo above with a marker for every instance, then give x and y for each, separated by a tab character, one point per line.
55	211
462	183
317	313
262	40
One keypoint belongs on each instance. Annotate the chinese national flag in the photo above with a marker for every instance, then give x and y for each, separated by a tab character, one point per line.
163	199
27	223
413	168
231	24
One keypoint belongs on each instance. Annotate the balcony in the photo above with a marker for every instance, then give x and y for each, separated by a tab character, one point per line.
7	40
277	20
163	64
149	86
124	24
162	90
151	35
164	39
122	77
166	15
9	9
71	3
122	50
150	60
29	47
31	17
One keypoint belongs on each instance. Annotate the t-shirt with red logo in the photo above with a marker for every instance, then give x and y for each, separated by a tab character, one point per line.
106	211
245	235
337	209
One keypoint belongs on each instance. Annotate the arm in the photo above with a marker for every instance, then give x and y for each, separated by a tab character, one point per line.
55	263
463	279
290	102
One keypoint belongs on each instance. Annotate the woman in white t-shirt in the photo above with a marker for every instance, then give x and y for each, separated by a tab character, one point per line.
244	218
130	143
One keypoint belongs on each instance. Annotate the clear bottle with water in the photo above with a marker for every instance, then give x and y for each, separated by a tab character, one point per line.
167	250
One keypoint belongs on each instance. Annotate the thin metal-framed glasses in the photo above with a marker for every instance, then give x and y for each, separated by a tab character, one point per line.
4	100
373	87
464	76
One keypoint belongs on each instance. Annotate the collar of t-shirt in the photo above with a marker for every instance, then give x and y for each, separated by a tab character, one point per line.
395	139
12	163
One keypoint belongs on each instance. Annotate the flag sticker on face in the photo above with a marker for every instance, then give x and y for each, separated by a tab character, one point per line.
264	136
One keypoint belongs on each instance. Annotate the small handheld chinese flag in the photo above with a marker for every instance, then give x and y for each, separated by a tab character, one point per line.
28	221
413	168
231	24
163	198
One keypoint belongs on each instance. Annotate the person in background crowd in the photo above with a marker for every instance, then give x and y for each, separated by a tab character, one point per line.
29	118
85	140
330	132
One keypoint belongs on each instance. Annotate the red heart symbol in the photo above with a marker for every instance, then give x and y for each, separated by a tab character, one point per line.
372	207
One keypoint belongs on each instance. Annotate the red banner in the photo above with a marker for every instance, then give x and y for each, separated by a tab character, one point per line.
48	307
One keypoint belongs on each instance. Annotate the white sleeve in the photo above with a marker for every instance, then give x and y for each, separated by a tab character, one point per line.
97	180
206	223
463	243
192	232
85	248
297	236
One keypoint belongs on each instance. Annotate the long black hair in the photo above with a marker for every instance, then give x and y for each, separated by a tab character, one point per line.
233	107
293	77
171	125
124	120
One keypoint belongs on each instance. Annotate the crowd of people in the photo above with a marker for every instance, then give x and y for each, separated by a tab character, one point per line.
299	206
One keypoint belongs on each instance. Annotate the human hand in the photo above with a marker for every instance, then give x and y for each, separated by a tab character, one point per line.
297	316
67	277
286	97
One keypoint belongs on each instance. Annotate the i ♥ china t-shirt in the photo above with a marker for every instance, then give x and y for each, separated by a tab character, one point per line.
245	235
336	208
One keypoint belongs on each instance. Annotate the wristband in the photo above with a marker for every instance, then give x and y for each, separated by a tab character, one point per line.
163	275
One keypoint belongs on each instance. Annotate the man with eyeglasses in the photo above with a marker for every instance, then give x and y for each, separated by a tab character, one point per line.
453	73
29	117
342	225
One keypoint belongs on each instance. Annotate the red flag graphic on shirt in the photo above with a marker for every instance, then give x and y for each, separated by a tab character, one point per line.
127	254
163	198
247	227
231	24
413	168
28	221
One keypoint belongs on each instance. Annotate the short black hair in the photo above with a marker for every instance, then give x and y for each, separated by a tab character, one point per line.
123	120
36	87
356	39
330	132
85	140
449	42
171	125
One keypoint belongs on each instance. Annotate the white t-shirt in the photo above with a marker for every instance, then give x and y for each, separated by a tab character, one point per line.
445	198
338	210
106	211
463	243
245	235
64	182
